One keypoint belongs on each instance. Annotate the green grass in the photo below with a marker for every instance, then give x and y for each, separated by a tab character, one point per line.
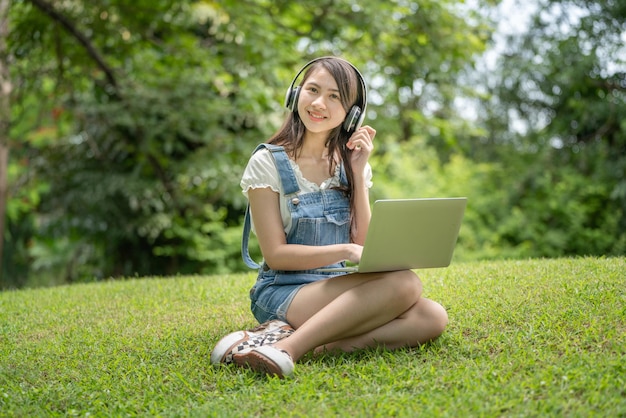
526	338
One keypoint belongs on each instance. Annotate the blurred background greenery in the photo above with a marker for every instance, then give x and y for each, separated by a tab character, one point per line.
125	125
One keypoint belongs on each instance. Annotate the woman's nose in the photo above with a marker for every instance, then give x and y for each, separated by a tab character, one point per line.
319	102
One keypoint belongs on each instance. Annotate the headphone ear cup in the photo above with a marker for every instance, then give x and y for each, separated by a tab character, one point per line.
291	99
351	121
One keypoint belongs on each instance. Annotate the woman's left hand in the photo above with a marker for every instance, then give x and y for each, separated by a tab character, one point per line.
362	144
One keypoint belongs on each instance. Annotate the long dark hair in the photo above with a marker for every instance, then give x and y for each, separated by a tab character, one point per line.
291	134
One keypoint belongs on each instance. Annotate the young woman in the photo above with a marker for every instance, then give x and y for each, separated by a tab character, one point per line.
308	197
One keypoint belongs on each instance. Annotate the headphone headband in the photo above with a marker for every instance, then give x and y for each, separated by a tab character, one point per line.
355	116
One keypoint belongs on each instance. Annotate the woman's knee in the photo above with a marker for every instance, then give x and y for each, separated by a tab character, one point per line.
406	284
434	315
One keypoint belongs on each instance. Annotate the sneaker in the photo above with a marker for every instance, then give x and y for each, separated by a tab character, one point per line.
273	331
266	359
236	342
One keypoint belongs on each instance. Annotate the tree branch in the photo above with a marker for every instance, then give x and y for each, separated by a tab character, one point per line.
49	9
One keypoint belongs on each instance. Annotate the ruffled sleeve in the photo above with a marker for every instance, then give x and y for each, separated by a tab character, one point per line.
260	173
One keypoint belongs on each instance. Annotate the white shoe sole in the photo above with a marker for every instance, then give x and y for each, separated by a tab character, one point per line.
225	345
266	359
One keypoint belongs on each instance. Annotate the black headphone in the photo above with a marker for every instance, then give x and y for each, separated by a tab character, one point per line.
355	116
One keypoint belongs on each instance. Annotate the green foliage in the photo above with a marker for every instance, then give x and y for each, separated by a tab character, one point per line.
151	113
561	211
566	88
148	157
131	125
525	338
518	210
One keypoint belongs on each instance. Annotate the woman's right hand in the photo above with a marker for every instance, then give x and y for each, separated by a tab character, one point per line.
353	253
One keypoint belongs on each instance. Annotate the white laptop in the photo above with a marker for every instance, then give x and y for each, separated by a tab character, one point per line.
410	234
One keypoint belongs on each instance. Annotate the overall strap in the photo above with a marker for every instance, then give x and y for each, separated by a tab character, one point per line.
343	177
289	185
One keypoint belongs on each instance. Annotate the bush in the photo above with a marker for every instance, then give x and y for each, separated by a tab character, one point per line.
514	210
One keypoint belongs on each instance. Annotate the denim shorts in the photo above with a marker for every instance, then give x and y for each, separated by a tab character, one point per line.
274	291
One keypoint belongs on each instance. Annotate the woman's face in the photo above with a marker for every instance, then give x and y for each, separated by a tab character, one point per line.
319	103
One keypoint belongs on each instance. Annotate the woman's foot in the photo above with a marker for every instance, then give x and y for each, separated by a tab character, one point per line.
236	342
266	359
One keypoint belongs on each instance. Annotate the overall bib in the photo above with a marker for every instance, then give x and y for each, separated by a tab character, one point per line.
318	218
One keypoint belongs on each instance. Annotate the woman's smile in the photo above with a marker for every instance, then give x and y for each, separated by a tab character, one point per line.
316	116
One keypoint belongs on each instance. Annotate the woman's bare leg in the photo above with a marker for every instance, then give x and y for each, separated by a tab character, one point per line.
350	307
423	322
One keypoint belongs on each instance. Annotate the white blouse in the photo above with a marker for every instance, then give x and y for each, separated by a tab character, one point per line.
261	172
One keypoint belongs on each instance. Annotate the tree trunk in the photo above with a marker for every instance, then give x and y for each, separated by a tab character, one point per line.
5	118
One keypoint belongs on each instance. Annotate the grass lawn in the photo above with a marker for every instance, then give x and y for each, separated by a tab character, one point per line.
526	338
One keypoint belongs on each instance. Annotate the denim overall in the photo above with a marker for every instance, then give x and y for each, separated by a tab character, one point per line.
318	218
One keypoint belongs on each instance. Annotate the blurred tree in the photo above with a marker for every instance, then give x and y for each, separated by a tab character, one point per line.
130	124
135	119
5	118
563	84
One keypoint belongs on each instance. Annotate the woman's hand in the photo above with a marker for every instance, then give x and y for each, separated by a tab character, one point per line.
362	144
353	253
